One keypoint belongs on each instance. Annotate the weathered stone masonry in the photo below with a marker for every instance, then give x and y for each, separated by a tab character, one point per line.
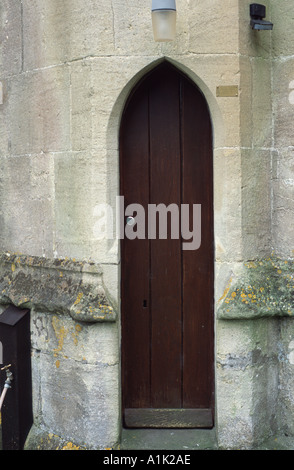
66	70
56	286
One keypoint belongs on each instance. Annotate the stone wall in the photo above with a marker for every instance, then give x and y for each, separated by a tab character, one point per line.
66	69
258	297
283	187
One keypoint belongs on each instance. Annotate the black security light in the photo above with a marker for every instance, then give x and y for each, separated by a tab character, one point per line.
257	13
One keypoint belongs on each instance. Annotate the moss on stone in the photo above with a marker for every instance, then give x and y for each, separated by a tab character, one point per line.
56	286
265	289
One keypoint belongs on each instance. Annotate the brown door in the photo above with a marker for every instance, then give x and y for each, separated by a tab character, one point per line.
167	288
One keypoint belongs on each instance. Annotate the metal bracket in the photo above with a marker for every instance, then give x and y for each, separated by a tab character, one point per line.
9	376
7	384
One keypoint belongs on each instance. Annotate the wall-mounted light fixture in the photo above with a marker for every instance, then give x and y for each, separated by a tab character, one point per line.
257	13
164	20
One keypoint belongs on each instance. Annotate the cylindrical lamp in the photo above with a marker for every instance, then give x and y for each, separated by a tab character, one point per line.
164	20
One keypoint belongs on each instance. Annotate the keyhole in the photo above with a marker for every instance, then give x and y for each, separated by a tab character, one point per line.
145	303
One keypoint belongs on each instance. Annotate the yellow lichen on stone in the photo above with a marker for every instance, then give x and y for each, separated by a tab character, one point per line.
226	290
78	329
60	333
70	446
79	298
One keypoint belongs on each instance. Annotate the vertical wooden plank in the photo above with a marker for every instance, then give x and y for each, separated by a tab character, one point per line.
197	167
135	307
165	256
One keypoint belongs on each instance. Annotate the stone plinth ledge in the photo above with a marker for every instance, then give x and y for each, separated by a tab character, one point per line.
60	286
261	288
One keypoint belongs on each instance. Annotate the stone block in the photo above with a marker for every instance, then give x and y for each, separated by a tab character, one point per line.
282	205
57	32
262	114
246	102
227	204
255	102
27	204
283	102
214	27
76	377
62	337
10	38
4	125
133	28
256	203
282	34
37	112
247	373
234	401
285	418
81	105
80	184
77	401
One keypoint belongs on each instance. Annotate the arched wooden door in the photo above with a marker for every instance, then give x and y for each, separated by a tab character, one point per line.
167	292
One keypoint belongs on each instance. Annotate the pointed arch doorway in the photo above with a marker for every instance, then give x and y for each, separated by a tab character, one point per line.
167	291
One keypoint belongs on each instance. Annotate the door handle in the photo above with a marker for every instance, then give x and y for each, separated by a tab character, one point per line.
130	220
